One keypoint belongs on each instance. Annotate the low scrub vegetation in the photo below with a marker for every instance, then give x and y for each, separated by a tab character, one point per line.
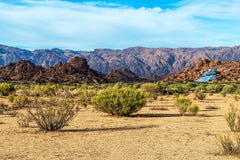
193	109
200	94
121	102
20	101
182	104
23	120
185	104
233	118
152	90
229	145
52	114
6	89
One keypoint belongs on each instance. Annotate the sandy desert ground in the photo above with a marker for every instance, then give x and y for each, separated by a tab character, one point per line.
156	132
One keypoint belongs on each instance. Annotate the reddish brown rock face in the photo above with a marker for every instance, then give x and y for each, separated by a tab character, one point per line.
228	71
76	70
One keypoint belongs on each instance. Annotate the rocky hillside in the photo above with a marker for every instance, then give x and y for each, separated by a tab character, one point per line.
75	70
122	75
142	61
23	70
227	71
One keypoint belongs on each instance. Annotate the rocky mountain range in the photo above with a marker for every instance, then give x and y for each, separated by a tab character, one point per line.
140	60
76	70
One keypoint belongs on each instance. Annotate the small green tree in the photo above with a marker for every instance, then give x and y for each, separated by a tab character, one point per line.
120	102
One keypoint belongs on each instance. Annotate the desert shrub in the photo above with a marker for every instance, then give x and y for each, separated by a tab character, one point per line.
236	97
85	96
193	109
182	104
191	84
11	97
6	88
23	120
52	114
200	94
137	85
201	87
24	89
68	94
232	118
223	93
20	101
46	90
214	88
229	145
231	88
152	89
162	88
3	107
121	102
119	85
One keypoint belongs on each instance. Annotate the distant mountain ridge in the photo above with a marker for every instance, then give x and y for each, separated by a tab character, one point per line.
142	61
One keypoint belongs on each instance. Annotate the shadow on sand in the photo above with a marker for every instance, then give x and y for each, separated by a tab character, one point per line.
156	115
107	129
172	115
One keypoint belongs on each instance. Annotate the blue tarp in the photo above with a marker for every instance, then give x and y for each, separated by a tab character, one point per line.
206	79
208	76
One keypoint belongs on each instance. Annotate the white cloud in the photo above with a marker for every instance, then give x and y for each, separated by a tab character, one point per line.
85	26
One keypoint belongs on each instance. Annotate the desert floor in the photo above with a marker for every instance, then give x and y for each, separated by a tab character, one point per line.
156	132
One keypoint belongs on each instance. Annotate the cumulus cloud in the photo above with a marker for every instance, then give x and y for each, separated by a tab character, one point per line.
85	26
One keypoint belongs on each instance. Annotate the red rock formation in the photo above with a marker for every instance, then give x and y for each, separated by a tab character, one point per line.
227	71
76	70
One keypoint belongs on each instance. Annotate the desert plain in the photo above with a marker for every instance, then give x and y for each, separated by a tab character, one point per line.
156	132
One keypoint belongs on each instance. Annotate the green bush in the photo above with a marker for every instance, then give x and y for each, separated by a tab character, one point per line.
162	87
11	97
46	90
152	89
200	94
201	88
120	102
6	88
236	97
232	118
85	96
52	114
223	93
193	109
20	101
182	104
214	88
231	88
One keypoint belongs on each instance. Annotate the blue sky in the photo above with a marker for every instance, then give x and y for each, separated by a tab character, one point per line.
118	24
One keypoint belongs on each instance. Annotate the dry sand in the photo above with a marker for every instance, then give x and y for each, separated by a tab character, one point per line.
156	132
